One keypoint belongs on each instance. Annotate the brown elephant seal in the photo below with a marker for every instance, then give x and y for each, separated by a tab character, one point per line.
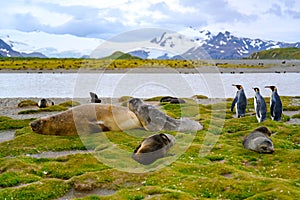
88	118
153	119
259	141
43	103
152	148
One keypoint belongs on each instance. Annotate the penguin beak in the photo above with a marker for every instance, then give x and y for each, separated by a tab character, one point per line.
267	86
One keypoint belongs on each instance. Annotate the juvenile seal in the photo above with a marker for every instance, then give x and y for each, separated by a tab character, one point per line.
88	118
43	103
152	148
153	119
259	141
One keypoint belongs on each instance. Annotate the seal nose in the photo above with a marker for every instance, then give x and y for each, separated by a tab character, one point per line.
35	125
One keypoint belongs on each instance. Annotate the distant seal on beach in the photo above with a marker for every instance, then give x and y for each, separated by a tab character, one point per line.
173	100
259	141
43	103
94	98
89	118
153	119
152	148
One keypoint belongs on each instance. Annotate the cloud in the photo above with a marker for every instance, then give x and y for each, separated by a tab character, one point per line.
94	18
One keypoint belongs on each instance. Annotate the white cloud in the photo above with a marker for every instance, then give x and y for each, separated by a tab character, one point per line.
270	19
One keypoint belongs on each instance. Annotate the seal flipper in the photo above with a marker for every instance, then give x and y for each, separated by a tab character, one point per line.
98	126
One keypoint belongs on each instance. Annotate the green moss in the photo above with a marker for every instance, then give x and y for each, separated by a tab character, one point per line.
199	96
4	118
9	123
47	109
27	103
69	104
215	165
28	142
9	179
296	116
45	189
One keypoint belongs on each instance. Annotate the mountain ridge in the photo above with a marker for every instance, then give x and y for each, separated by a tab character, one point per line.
201	44
223	45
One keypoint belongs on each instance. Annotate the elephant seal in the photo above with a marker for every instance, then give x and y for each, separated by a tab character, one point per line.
259	141
173	100
87	118
153	119
43	103
94	98
152	148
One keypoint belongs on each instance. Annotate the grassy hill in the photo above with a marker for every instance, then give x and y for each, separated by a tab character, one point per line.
280	53
121	55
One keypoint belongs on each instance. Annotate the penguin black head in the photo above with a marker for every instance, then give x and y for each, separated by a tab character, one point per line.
256	89
272	87
239	87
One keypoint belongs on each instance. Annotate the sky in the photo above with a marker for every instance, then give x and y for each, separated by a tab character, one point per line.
277	20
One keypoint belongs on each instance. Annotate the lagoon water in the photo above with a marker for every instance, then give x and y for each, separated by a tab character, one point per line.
143	85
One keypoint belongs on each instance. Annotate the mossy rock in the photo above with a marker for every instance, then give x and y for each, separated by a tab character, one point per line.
296	116
69	104
4	118
27	103
47	109
199	96
124	98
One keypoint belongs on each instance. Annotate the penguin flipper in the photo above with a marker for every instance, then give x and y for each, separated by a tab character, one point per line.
258	108
272	108
233	103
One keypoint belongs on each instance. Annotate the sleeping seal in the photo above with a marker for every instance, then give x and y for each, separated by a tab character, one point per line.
152	148
88	118
259	141
153	119
43	103
173	100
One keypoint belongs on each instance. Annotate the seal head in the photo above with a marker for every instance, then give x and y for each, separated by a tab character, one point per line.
152	148
153	119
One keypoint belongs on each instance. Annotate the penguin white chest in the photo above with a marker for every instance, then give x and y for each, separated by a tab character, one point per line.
257	114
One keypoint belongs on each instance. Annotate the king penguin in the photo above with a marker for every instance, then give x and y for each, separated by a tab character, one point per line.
239	102
275	104
260	106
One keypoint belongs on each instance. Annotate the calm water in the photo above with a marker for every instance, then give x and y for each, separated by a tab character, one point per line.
143	85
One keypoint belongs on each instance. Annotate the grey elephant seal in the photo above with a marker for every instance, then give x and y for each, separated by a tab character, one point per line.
94	98
152	148
153	119
88	118
259	141
43	103
173	100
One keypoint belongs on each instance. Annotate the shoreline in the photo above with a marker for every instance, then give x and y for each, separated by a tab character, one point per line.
204	69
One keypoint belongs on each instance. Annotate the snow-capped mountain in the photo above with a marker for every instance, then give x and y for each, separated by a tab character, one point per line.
51	45
189	43
7	51
219	46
